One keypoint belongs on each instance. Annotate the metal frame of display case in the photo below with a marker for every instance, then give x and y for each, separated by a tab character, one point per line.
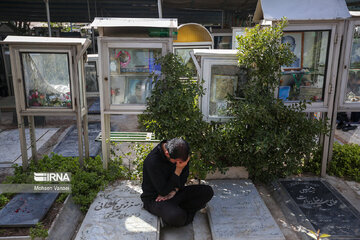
93	58
113	35
209	58
234	35
74	49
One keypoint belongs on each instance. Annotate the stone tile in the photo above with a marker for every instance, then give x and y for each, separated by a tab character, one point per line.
172	233
201	227
68	147
26	209
10	144
117	213
238	212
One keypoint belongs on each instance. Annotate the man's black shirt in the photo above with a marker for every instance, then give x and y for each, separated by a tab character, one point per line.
159	176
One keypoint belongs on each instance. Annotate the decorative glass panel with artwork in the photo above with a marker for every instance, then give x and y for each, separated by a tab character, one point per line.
353	83
91	77
46	79
304	79
130	71
225	80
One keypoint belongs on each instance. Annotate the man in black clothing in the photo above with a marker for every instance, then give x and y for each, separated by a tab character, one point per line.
165	173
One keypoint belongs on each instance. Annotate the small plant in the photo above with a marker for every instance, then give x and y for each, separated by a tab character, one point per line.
141	152
39	231
317	235
3	200
86	182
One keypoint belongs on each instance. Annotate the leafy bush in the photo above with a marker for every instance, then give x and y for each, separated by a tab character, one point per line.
173	111
345	161
3	201
86	182
39	231
270	138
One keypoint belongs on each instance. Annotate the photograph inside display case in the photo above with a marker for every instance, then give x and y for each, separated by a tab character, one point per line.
130	71
353	83
223	42
46	79
304	79
225	80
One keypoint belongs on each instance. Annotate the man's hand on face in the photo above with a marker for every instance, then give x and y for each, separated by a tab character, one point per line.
167	197
182	164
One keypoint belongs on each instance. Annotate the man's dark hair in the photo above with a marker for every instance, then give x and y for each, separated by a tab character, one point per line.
178	148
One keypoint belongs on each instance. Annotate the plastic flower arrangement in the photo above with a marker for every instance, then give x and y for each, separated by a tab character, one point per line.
38	99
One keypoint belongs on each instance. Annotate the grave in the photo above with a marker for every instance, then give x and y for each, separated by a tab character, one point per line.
238	212
315	204
26	209
10	144
68	146
117	213
95	107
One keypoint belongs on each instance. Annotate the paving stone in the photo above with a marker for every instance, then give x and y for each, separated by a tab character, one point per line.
238	212
172	233
318	203
68	147
201	227
117	213
10	144
26	209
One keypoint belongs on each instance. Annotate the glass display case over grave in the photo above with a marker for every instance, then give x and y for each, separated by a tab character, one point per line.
46	80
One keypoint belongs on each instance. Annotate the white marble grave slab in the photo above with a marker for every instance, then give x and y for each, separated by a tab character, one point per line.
10	144
117	213
238	212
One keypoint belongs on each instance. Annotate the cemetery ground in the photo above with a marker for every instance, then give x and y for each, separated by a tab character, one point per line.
289	229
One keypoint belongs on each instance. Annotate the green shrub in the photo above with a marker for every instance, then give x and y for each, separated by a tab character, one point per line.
3	200
345	161
173	111
270	138
86	182
39	231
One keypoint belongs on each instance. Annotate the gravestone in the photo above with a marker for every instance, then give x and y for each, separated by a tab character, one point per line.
68	146
117	213
318	203
95	107
10	144
26	209
238	212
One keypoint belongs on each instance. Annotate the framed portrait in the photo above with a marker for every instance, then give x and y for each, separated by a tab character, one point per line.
237	31
221	86
355	54
137	89
296	43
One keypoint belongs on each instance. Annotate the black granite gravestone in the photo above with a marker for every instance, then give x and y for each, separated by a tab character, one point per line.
68	147
26	209
324	207
95	107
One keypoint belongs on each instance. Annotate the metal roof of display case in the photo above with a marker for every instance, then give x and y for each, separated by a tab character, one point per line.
47	40
135	22
300	10
215	52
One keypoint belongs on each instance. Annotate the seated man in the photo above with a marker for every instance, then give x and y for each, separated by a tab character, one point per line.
165	173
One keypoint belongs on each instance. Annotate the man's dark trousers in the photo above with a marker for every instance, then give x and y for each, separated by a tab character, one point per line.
180	210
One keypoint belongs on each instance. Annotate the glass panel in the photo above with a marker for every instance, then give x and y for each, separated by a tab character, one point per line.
222	42
129	74
225	80
304	79
184	53
91	77
353	84
46	79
